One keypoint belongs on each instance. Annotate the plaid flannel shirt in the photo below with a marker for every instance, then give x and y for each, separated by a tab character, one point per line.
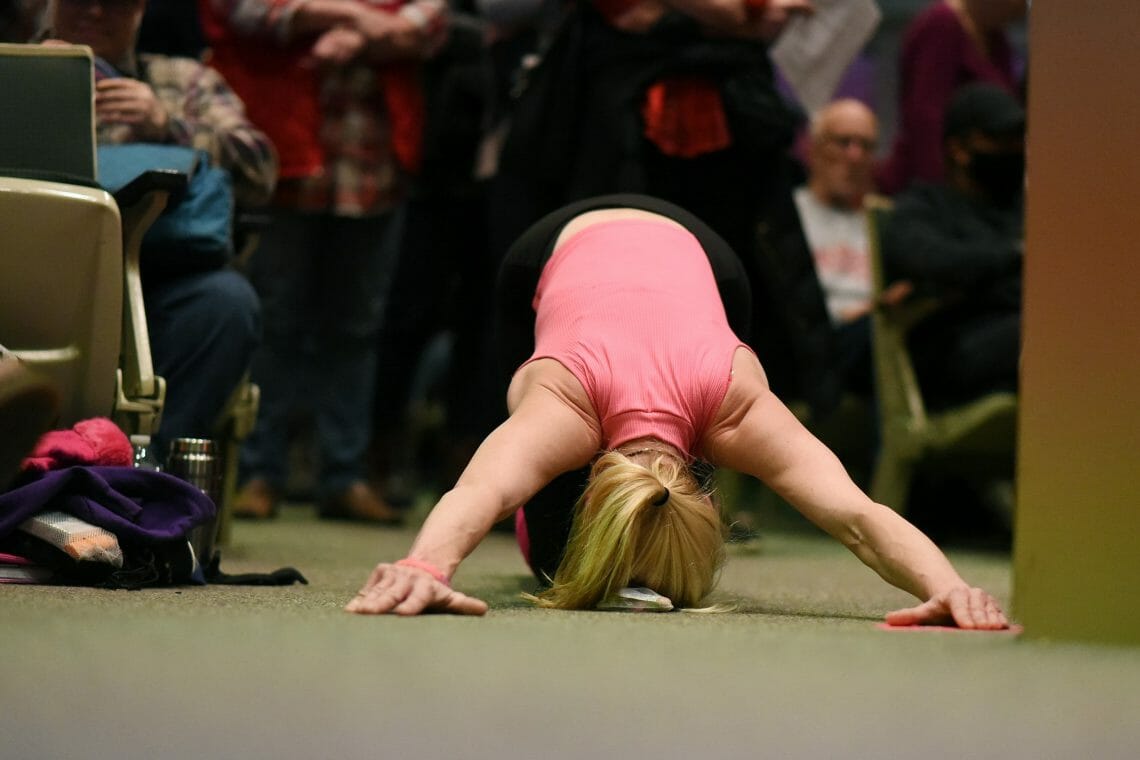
205	114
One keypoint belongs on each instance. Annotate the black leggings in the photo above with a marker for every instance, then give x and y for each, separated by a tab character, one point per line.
549	513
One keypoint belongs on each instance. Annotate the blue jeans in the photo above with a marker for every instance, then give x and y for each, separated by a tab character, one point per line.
323	281
203	332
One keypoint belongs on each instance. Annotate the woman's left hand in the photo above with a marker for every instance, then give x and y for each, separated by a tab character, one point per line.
964	606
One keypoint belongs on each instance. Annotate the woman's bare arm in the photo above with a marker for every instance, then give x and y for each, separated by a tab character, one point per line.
756	434
545	436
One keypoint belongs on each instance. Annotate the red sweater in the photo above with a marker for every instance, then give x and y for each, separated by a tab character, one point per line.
282	95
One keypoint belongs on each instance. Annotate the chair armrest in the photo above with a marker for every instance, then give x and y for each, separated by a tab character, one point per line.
910	311
172	182
140	202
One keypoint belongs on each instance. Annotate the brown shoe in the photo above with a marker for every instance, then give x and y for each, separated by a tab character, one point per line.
257	500
361	503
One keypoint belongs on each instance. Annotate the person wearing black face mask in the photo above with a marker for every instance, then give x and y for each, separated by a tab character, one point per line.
961	241
1000	174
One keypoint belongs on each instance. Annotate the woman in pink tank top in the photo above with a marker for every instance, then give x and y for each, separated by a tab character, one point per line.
623	319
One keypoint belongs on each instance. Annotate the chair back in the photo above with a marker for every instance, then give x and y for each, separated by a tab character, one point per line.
61	288
898	395
72	299
47	123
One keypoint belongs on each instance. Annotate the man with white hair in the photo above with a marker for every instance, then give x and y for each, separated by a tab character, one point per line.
840	163
843	139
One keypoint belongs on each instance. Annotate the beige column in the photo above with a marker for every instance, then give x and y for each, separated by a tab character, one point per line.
1077	545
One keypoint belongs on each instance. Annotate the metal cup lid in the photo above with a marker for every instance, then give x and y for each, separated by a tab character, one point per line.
181	446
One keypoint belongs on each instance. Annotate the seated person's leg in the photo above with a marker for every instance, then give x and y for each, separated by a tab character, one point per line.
853	349
985	356
203	331
967	359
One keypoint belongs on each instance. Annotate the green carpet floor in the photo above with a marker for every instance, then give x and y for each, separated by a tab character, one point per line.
798	670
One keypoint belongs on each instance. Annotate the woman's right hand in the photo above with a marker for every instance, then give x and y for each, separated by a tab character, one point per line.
404	590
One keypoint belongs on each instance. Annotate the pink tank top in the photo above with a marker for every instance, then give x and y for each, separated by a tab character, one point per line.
631	308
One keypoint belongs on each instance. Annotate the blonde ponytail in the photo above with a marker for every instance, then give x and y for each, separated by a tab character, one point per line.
639	525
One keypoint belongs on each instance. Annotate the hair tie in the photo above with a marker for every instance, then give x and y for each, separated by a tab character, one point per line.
662	499
427	567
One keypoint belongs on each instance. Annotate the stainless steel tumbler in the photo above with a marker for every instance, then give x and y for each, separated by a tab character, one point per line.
196	461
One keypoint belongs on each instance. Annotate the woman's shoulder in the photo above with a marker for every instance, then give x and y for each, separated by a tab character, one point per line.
549	376
748	384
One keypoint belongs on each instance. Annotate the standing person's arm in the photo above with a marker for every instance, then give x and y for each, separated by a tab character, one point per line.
759	436
212	118
342	30
182	102
286	20
544	437
750	19
417	30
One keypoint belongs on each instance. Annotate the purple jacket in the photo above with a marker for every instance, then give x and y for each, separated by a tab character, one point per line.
136	505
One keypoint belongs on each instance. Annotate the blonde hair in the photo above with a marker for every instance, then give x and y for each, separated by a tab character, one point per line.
639	525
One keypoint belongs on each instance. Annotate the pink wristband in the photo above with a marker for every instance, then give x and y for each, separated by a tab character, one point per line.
427	567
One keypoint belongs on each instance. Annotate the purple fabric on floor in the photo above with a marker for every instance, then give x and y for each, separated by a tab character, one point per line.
141	505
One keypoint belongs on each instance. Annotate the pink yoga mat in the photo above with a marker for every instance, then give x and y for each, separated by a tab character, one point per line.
1013	630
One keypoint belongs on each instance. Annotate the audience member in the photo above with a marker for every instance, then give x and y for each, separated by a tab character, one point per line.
436	327
203	326
950	44
816	247
334	83
961	241
840	157
677	100
439	281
